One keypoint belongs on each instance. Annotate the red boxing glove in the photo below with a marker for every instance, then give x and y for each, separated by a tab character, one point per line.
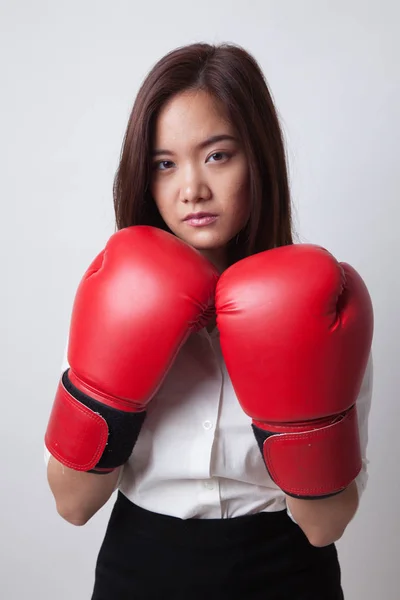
135	307
296	332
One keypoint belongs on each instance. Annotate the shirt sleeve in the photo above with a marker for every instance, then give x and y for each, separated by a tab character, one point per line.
363	410
363	404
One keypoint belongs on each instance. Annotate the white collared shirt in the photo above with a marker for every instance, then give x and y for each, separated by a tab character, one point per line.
196	455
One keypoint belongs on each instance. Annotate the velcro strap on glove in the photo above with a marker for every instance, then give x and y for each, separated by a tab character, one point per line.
86	435
316	463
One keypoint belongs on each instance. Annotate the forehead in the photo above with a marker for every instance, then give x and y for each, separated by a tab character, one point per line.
191	116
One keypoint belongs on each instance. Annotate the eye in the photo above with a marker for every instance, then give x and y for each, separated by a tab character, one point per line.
163	165
218	156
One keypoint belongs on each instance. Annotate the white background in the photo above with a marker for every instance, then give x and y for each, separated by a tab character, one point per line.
69	74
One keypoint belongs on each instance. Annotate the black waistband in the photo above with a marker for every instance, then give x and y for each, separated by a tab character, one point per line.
200	531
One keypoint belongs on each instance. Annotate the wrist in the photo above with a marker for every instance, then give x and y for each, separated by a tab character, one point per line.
86	435
324	521
316	462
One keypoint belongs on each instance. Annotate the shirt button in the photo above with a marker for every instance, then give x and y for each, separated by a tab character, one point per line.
209	485
207	425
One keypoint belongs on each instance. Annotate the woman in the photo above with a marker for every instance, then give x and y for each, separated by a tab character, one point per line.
153	401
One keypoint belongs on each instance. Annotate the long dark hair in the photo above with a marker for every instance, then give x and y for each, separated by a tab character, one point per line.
232	76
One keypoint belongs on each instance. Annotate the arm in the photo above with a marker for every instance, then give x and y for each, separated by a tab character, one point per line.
324	521
310	318
116	361
79	495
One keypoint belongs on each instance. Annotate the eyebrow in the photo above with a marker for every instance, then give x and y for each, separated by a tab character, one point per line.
211	140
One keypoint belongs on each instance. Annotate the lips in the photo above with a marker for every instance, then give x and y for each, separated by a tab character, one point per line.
200	219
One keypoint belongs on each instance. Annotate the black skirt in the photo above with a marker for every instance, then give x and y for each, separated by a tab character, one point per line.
147	556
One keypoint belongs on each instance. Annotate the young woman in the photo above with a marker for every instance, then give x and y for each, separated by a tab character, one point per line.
199	319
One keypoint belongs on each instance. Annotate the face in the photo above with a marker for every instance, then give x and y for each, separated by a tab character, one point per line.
200	174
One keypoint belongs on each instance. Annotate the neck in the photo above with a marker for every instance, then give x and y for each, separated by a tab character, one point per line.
218	257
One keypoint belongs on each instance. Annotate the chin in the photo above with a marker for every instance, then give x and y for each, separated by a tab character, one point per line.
203	240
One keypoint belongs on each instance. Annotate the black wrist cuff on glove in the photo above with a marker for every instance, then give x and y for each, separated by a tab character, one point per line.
123	429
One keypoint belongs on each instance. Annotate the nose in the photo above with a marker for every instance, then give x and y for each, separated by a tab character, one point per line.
193	186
